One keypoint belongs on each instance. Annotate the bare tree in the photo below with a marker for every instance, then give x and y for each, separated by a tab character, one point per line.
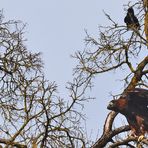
118	48
32	112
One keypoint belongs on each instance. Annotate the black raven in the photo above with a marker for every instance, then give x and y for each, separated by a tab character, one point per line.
131	20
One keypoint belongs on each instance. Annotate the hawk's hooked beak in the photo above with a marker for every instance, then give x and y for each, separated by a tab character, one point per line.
111	105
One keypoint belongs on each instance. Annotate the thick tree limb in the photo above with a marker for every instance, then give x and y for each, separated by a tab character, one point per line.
137	75
108	133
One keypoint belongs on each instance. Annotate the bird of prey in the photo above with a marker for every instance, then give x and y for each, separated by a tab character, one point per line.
134	106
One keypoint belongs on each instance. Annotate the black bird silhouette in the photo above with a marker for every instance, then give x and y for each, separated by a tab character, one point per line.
131	20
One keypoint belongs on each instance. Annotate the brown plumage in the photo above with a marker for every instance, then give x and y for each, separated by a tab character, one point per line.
134	106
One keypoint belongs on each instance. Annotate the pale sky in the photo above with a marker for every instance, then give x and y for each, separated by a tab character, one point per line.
56	28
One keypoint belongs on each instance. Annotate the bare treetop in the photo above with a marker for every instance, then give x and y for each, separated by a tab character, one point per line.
32	112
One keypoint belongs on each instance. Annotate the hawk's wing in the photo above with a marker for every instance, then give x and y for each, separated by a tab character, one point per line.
138	101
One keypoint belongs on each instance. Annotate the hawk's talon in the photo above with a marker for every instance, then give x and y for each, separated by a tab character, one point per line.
140	138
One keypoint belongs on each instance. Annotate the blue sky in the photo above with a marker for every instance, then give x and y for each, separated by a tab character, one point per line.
56	28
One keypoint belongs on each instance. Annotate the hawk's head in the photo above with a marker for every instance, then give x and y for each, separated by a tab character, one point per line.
117	105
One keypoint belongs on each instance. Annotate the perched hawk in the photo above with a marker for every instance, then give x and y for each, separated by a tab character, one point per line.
134	106
131	20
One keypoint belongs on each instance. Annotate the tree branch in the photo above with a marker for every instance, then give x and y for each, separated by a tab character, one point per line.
16	144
